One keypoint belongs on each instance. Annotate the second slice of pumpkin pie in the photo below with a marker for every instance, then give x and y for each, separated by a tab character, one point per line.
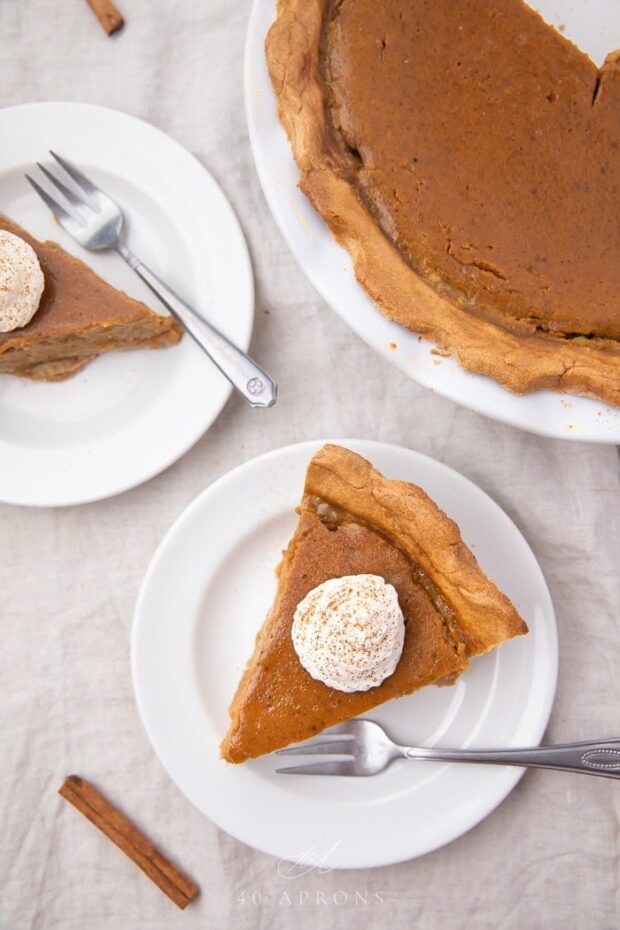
80	316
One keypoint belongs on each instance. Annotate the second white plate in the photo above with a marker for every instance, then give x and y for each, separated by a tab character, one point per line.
128	415
203	599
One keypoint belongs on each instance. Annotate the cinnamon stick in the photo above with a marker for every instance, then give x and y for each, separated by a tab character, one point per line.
108	15
118	828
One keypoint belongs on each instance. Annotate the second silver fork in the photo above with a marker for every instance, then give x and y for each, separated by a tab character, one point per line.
96	221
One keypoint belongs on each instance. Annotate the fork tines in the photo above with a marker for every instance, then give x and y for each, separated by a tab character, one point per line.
344	746
319	747
78	207
340	767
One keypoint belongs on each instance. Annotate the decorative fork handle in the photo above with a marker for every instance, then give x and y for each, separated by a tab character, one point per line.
590	758
244	374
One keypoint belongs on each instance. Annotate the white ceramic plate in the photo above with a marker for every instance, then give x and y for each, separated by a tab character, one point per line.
595	26
206	593
126	416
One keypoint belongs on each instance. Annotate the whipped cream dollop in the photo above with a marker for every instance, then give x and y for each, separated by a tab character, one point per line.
21	282
349	632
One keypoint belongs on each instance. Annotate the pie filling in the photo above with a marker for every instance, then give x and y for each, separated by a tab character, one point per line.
486	146
57	348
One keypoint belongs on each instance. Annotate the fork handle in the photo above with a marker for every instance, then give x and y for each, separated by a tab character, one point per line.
243	373
590	758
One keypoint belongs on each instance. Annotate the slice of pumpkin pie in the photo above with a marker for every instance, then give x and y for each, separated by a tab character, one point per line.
378	596
78	317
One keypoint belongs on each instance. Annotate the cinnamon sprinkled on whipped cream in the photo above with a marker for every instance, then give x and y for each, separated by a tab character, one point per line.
349	632
21	282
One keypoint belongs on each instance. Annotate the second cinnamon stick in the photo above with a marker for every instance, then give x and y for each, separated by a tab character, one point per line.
108	15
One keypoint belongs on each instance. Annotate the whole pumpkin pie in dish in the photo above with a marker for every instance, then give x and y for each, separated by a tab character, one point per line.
468	157
79	317
355	523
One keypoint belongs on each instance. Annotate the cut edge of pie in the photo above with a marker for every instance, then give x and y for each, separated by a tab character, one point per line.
57	370
80	317
522	362
460	612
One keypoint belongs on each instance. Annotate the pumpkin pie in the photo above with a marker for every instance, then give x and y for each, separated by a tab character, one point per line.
79	317
467	155
354	521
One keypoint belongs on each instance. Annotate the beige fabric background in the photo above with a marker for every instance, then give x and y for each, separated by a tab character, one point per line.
68	579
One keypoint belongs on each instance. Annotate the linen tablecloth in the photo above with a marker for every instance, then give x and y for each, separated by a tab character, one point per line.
548	857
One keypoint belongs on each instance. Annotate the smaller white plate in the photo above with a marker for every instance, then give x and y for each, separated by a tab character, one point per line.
126	416
204	597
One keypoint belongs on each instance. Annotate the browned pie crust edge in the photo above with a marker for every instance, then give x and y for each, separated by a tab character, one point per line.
521	362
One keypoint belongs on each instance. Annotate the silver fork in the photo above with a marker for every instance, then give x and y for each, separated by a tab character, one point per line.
96	222
369	750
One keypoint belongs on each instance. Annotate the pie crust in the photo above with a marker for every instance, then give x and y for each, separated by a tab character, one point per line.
354	521
519	353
